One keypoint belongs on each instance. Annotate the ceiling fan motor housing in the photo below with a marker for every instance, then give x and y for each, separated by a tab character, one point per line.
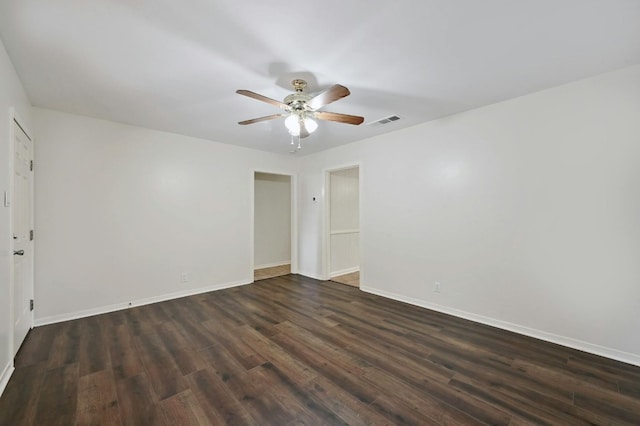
298	101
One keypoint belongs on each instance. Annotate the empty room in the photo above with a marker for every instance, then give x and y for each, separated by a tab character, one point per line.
319	213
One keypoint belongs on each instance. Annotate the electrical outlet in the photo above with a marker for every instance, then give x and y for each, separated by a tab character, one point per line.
436	287
184	277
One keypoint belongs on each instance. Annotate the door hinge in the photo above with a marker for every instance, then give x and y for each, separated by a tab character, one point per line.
31	165
31	235
31	304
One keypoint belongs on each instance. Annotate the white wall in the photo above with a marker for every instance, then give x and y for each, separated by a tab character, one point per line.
272	218
122	212
12	95
526	211
344	221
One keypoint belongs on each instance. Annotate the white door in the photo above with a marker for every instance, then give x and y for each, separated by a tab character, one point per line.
22	236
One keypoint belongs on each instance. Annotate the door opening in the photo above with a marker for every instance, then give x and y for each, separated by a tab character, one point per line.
344	226
272	229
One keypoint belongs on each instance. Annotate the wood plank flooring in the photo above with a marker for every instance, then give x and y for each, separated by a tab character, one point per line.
352	279
272	272
293	350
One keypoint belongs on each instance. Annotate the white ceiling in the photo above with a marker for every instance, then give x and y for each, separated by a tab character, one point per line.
175	65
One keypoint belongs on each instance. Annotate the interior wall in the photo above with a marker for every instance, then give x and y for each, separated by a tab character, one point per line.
272	218
12	95
344	222
123	213
525	211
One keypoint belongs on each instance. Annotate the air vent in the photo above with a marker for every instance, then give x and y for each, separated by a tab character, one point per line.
385	120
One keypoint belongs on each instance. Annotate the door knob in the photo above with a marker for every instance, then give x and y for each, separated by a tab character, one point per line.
19	253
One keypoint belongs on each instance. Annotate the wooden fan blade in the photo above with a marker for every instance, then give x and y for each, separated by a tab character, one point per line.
259	97
332	94
340	118
265	118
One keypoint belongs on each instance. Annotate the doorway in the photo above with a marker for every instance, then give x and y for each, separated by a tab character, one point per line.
272	221
344	226
22	232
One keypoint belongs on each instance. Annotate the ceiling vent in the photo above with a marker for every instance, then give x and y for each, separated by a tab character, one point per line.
385	120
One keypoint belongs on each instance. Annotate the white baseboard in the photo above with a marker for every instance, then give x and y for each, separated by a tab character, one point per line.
272	265
580	345
345	271
140	302
6	375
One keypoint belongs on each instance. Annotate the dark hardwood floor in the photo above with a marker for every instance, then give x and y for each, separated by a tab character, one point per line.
292	350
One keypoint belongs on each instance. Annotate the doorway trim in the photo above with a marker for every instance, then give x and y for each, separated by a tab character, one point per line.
16	119
294	218
326	226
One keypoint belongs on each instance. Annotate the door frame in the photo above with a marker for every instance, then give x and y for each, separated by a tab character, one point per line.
326	225
15	119
294	217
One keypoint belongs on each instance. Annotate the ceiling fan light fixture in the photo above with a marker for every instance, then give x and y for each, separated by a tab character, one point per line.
310	125
292	123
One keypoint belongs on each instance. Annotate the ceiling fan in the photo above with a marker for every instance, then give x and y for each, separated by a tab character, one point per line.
301	108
